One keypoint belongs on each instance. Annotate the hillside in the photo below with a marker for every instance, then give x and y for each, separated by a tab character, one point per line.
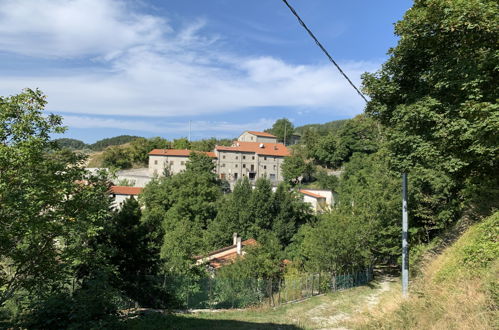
322	129
457	289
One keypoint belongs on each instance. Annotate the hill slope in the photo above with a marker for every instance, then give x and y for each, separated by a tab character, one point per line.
458	289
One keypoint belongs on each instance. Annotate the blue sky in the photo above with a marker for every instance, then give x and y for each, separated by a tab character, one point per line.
147	68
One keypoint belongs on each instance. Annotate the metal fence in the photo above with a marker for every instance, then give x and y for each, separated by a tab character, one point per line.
238	292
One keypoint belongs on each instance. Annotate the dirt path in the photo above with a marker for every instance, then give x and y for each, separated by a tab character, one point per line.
339	316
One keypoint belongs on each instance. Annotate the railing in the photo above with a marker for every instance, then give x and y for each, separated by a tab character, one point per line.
215	293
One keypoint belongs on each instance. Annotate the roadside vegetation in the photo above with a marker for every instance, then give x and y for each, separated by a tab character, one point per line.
457	289
69	260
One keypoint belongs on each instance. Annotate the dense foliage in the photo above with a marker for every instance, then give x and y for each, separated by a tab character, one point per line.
72	144
113	141
321	129
437	94
67	259
283	129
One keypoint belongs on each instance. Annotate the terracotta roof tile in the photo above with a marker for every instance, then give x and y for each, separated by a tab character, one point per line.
179	152
268	149
223	260
263	134
124	190
311	194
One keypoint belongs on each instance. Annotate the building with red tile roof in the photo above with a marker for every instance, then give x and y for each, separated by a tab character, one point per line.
125	190
179	152
320	200
227	255
253	155
121	193
252	160
174	160
254	136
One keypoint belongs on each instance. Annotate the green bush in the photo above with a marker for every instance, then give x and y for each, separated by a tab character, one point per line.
94	306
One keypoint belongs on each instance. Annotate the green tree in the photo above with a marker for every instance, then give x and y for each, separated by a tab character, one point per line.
336	244
133	255
260	203
331	151
179	208
114	141
294	169
437	93
262	261
326	181
181	143
233	216
290	212
72	144
283	129
116	157
48	214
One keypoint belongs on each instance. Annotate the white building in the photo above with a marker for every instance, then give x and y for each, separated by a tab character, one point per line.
121	193
172	160
320	200
252	136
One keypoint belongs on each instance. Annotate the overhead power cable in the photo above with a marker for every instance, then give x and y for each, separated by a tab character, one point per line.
323	49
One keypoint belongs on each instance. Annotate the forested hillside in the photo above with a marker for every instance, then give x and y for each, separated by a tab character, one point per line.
100	145
321	129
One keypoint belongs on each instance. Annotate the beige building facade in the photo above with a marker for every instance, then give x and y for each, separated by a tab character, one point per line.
253	136
171	160
251	156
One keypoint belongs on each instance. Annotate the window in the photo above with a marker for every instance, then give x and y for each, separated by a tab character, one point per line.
237	157
244	157
223	165
264	167
236	165
251	138
182	163
244	165
272	176
235	176
155	162
275	167
223	157
264	158
253	157
171	162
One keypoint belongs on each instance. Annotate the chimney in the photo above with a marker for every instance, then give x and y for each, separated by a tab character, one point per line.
239	246
234	239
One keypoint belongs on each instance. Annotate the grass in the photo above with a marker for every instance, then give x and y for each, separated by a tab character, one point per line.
315	313
458	289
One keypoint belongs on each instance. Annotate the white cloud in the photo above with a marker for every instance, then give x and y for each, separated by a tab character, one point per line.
198	128
62	28
144	67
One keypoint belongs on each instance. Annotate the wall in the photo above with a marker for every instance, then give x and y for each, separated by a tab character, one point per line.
157	164
230	162
119	200
248	137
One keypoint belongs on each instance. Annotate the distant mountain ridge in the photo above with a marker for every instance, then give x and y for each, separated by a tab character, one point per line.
322	129
100	145
75	144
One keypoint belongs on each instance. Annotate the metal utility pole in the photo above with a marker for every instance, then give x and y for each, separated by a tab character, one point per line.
405	243
189	131
285	124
